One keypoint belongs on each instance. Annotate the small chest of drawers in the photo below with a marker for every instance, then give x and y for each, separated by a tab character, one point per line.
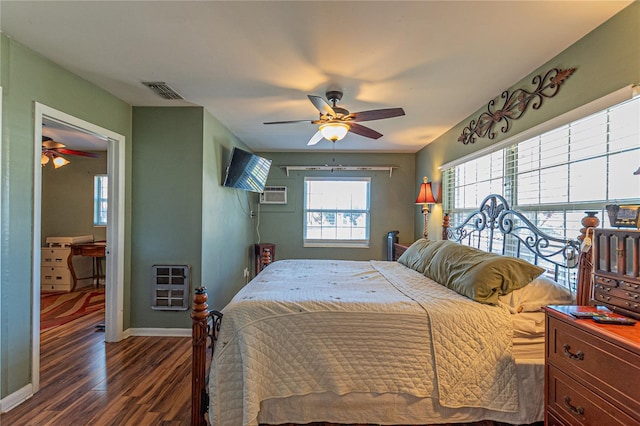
54	269
616	280
592	371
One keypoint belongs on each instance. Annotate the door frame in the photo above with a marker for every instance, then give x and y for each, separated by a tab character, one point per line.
114	268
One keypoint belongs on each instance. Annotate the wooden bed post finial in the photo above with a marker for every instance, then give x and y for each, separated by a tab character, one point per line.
585	266
199	318
588	222
445	226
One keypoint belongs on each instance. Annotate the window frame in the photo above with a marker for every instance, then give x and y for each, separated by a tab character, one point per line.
337	243
100	199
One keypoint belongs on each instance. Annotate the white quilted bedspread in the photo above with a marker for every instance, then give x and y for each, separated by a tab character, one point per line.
310	326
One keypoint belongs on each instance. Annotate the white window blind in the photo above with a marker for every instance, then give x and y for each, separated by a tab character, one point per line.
558	175
336	212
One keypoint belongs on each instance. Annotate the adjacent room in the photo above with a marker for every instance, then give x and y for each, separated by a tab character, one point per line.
320	212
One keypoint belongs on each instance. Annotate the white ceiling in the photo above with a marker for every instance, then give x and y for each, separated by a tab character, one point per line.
248	62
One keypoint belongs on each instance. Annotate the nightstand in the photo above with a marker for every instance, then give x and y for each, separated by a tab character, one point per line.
592	371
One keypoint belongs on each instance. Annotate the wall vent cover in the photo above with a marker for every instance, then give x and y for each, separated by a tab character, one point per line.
274	195
162	89
170	287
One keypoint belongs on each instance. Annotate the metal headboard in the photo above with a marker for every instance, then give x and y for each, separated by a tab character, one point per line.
495	227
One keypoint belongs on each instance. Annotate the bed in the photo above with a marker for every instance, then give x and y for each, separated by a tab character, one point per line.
450	333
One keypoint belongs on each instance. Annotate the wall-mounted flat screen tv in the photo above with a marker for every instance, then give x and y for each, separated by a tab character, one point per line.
247	171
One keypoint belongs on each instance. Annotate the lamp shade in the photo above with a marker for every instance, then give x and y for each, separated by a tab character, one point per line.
59	162
334	131
425	196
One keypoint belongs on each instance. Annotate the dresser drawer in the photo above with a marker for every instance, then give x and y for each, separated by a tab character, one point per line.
54	257
55	287
603	367
617	297
552	420
575	404
55	276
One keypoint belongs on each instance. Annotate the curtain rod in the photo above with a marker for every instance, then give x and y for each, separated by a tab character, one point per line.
340	168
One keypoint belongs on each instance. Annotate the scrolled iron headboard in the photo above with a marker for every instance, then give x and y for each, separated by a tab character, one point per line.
494	221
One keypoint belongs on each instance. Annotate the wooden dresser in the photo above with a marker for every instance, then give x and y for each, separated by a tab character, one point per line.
592	371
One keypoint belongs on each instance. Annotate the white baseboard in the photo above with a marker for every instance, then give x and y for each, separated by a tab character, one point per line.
160	332
18	397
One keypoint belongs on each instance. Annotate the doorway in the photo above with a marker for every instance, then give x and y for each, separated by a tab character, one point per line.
114	264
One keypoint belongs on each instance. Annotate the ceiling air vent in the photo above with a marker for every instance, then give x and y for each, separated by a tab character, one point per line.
162	89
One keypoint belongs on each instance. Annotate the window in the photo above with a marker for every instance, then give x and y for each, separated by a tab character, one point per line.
100	200
556	176
336	212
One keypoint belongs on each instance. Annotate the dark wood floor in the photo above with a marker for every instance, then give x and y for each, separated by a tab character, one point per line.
85	381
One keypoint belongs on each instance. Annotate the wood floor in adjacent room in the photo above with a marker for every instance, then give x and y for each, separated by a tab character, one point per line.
85	381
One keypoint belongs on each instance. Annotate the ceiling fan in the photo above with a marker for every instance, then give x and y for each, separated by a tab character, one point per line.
335	122
52	150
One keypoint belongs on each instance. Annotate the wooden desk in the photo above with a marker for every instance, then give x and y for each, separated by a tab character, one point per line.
97	251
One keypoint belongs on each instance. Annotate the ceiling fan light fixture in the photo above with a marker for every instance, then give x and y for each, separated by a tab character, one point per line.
334	131
60	161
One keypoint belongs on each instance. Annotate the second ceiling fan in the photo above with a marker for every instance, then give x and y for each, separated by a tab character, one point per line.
335	122
52	150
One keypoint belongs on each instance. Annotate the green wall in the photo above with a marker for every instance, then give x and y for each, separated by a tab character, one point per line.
227	229
67	198
606	60
181	212
392	203
27	78
166	204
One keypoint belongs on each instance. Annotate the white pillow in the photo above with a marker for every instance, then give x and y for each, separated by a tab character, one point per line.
538	293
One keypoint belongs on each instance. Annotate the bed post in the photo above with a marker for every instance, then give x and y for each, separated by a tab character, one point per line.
199	318
585	266
445	226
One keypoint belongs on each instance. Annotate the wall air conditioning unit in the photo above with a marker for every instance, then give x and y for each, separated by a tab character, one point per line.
274	195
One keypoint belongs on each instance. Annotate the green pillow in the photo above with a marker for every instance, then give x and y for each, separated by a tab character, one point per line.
479	275
419	254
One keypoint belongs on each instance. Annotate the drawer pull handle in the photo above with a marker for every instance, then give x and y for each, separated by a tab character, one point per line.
633	296
577	356
575	410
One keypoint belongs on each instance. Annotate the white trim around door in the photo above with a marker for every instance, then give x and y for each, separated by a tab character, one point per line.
114	284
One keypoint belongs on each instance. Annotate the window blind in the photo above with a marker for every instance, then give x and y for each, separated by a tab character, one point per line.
556	176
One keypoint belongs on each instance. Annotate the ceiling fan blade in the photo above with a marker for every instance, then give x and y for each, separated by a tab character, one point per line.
49	143
315	138
321	105
376	114
364	131
287	122
74	152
